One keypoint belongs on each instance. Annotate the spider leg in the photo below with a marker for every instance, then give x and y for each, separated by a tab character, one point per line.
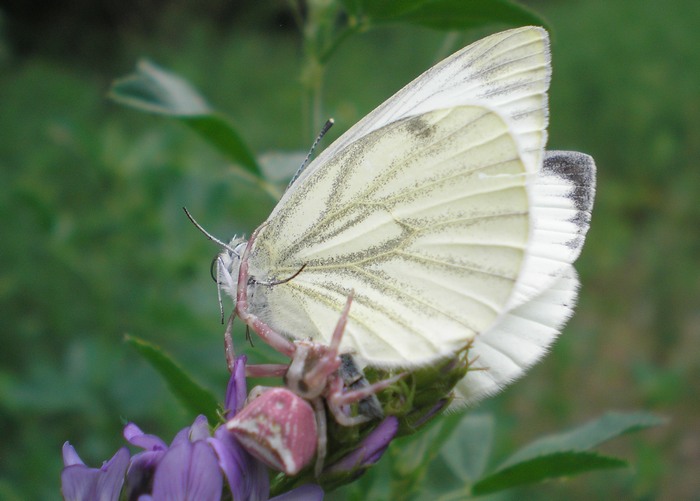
266	370
228	344
266	333
253	370
329	361
348	397
322	432
337	398
342	322
335	387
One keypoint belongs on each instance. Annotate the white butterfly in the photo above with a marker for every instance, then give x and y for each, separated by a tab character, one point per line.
445	216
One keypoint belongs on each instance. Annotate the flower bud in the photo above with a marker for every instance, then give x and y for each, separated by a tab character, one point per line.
423	393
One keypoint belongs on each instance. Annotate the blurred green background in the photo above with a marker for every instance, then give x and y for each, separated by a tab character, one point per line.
95	245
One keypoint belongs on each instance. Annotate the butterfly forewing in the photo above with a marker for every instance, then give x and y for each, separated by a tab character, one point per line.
426	219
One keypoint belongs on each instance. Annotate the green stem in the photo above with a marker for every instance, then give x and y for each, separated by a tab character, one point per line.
352	28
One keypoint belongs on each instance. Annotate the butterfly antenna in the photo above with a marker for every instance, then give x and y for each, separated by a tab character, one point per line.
206	233
305	163
284	280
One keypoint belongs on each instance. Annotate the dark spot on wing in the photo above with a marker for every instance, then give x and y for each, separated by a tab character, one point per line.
420	128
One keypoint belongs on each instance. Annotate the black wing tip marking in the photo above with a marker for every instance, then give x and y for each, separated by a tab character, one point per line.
578	170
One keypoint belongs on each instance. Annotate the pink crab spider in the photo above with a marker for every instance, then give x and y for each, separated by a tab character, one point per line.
312	376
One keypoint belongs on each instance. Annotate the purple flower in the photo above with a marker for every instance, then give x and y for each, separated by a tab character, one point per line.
80	482
188	469
192	467
247	477
368	452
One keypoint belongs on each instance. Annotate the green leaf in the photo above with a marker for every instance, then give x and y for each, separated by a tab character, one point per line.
546	467
587	436
444	14
467	452
565	454
462	460
411	461
156	90
421	449
195	398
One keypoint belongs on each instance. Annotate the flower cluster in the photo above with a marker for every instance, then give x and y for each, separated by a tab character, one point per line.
197	464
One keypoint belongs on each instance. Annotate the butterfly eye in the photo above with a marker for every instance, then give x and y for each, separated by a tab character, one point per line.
213	267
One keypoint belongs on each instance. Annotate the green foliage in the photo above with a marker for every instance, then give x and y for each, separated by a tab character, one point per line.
155	90
449	461
193	397
564	454
554	465
442	14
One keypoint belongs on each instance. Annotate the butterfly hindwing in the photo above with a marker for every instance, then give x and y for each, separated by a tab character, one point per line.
564	192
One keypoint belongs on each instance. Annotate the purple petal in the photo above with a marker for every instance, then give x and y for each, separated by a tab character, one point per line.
146	460
182	436
79	482
199	429
139	477
109	484
370	449
135	436
308	492
70	456
236	389
247	477
188	471
437	408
